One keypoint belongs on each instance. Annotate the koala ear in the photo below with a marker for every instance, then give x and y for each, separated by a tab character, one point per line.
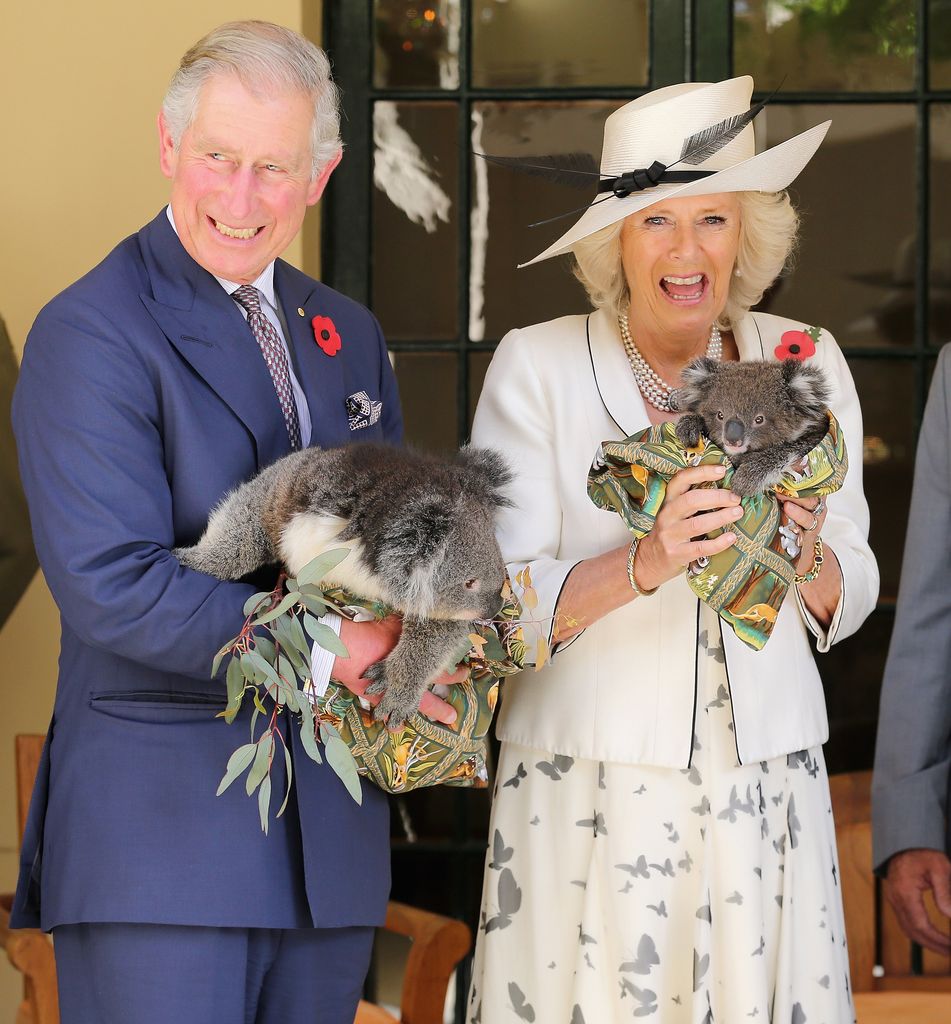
487	473
421	531
808	387
698	379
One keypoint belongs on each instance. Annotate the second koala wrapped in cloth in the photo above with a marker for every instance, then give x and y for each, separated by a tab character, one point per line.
746	583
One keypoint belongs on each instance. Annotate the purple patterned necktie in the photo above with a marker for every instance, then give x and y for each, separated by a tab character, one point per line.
274	355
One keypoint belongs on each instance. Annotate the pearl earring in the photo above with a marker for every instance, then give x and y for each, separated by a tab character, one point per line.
737	272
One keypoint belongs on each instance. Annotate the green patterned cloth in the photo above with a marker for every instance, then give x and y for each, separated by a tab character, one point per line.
425	753
745	584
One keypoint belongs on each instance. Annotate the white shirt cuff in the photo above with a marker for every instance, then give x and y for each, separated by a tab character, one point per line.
322	660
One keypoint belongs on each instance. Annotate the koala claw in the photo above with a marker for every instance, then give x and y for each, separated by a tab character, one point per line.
376	673
394	711
746	483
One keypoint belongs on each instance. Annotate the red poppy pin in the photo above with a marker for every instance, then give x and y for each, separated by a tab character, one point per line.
798	344
325	334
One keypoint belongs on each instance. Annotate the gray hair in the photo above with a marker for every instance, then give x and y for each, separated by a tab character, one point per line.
769	227
265	58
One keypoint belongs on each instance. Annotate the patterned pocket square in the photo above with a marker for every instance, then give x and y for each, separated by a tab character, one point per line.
362	411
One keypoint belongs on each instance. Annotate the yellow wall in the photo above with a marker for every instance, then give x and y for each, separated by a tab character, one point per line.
82	84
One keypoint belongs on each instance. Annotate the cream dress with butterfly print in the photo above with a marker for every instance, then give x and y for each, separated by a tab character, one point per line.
617	892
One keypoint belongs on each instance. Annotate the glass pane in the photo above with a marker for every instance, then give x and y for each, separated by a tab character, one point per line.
939	43
558	43
415	227
416	45
854	273
506	202
478	365
427	382
939	258
851	679
856	45
887	393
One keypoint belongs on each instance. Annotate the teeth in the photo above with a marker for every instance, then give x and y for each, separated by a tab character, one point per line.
696	279
231	232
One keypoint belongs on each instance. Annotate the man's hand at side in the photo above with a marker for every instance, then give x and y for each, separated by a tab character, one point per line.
911	874
370	642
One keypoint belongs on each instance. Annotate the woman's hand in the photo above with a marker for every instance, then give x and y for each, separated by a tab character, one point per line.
598	585
822	594
807	515
687	515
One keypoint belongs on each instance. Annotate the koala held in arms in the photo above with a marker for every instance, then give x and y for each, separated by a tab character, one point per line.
421	534
764	415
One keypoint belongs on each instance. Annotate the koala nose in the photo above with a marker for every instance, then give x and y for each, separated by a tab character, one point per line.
734	431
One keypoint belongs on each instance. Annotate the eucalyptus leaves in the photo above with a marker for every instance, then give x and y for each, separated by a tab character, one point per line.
270	663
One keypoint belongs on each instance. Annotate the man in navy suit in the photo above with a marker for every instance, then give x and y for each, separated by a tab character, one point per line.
145	396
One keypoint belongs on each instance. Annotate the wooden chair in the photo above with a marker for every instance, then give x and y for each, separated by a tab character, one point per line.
886	989
439	943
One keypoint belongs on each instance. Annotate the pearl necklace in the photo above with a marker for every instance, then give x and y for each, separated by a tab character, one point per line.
653	388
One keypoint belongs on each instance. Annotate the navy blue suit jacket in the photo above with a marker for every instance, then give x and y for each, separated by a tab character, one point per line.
142	399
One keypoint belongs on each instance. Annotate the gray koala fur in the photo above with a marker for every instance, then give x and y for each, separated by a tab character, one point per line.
421	533
764	415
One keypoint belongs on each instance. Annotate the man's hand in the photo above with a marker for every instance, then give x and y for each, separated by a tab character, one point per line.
370	642
911	874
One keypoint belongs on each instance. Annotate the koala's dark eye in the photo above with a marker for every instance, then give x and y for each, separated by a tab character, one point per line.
473	584
759	420
719	414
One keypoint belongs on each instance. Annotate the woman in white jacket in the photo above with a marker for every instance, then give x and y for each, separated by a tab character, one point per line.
661	840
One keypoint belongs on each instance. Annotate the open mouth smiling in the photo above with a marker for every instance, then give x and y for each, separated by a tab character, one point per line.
684	289
230	232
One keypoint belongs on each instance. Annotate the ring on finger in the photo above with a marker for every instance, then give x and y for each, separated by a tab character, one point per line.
820	508
813	525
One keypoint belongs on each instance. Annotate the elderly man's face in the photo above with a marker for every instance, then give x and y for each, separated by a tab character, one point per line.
241	177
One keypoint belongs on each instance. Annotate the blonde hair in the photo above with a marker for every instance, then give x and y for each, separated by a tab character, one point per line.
769	226
265	57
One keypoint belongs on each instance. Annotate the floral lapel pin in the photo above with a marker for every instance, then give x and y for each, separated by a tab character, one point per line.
325	334
798	344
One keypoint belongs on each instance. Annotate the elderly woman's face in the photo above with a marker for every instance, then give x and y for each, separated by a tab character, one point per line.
678	257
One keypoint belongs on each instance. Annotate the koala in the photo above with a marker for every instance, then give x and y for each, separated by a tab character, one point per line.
421	534
764	415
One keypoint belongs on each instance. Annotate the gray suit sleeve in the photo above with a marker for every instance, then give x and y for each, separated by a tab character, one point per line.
913	751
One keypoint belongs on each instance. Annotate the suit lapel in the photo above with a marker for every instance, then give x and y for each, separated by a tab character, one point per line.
206	328
612	374
321	376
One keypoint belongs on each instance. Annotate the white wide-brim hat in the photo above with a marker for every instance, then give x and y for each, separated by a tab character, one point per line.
654	128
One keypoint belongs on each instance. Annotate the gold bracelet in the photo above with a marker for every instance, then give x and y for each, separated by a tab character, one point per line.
635	586
817	559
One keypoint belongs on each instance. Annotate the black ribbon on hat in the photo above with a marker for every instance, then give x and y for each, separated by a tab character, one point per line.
577	169
647	177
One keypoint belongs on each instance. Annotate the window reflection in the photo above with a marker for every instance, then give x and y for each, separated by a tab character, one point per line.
506	202
478	366
851	679
427	383
852	45
559	43
939	256
939	44
415	238
887	393
416	45
855	270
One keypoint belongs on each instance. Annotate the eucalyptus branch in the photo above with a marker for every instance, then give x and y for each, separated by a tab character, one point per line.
269	664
